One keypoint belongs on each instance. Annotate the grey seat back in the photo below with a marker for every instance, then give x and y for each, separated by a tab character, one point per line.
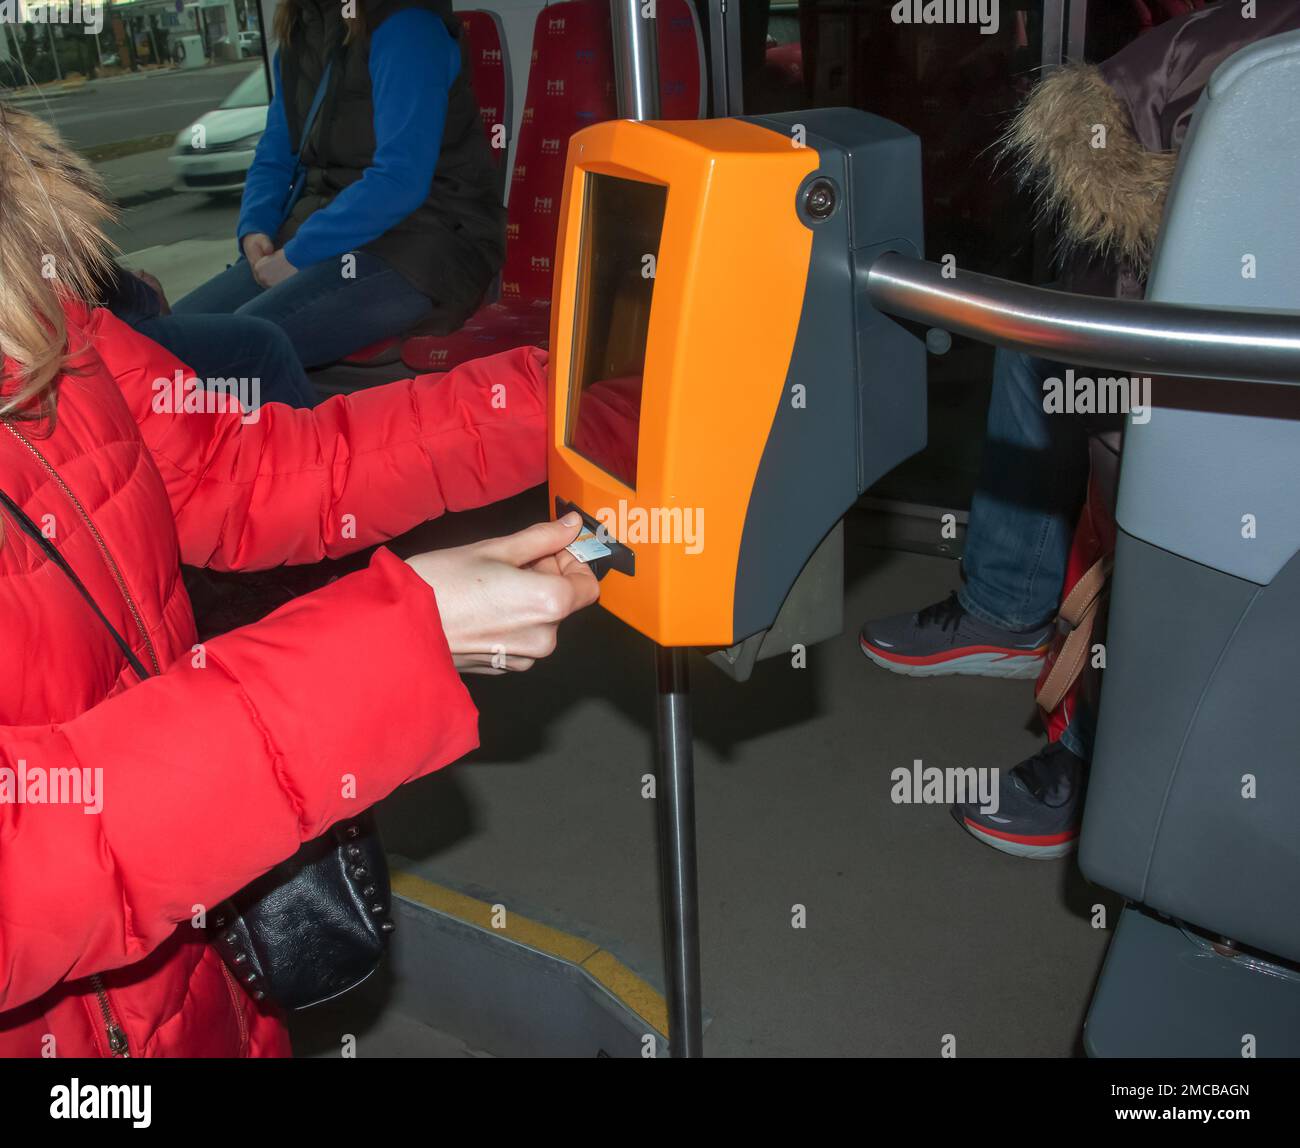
1194	797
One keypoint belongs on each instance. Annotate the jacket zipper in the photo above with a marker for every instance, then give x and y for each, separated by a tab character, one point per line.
118	1045
109	560
117	1042
237	998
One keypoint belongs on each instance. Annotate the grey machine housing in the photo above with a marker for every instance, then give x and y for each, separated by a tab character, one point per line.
1193	808
863	376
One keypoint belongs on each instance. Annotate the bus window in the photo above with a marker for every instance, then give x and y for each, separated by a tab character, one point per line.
1109	27
167	106
954	86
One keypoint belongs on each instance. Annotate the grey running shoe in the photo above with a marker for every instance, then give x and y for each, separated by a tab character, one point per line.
945	639
1040	806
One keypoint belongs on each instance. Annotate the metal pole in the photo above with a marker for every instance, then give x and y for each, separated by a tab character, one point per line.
1090	331
1053	34
1077	31
676	801
636	59
636	76
725	63
22	64
54	52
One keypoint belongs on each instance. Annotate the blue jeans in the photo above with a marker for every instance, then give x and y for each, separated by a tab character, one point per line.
235	346
325	315
1031	488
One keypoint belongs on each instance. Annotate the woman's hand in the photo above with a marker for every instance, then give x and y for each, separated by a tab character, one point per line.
272	269
257	247
502	600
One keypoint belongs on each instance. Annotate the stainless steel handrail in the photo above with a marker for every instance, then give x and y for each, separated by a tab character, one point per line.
636	60
1088	331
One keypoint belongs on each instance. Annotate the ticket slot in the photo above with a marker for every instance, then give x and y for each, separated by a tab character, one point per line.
621	558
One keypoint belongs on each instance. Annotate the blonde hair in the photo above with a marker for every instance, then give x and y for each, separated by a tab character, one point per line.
52	247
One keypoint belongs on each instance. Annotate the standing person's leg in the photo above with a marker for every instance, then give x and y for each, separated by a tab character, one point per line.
238	347
328	315
1032	484
223	294
1031	488
1029	500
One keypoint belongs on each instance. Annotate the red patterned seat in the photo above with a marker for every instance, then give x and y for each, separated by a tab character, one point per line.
570	85
490	79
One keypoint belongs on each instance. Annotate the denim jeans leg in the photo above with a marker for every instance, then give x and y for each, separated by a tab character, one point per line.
1077	737
328	315
1032	485
223	294
240	347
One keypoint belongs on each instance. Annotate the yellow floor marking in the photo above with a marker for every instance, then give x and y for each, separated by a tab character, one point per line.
632	991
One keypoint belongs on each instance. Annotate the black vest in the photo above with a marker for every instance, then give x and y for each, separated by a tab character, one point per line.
451	247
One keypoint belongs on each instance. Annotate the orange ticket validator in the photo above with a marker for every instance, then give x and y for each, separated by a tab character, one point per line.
720	393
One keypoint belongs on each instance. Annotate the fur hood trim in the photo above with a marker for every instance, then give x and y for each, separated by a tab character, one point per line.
1073	139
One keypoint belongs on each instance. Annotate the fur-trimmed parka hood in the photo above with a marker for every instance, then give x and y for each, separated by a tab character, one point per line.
1099	143
1073	140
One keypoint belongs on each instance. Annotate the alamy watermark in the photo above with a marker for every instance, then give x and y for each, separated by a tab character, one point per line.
32	785
670	525
77	1101
89	16
189	396
1081	395
931	785
983	13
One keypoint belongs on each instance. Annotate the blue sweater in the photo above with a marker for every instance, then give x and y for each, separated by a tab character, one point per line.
413	62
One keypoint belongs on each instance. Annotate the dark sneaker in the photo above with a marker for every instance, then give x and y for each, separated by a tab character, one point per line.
945	639
1040	805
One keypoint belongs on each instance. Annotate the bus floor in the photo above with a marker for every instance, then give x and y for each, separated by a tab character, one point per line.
913	934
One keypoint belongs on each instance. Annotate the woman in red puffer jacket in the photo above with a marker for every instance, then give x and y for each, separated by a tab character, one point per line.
206	775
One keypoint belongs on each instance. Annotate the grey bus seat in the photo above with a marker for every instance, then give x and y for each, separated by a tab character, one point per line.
1103	460
1193	807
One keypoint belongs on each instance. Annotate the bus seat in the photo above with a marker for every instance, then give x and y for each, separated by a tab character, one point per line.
376	354
490	79
1195	781
570	85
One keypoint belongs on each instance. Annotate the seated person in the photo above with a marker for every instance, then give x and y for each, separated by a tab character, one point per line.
1035	470
387	214
214	347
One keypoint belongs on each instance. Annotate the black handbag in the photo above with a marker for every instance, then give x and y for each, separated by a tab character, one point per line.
314	926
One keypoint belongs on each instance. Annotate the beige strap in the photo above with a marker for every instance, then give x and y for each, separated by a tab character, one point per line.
1079	612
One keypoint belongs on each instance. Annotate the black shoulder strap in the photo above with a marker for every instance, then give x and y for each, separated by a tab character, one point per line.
28	527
